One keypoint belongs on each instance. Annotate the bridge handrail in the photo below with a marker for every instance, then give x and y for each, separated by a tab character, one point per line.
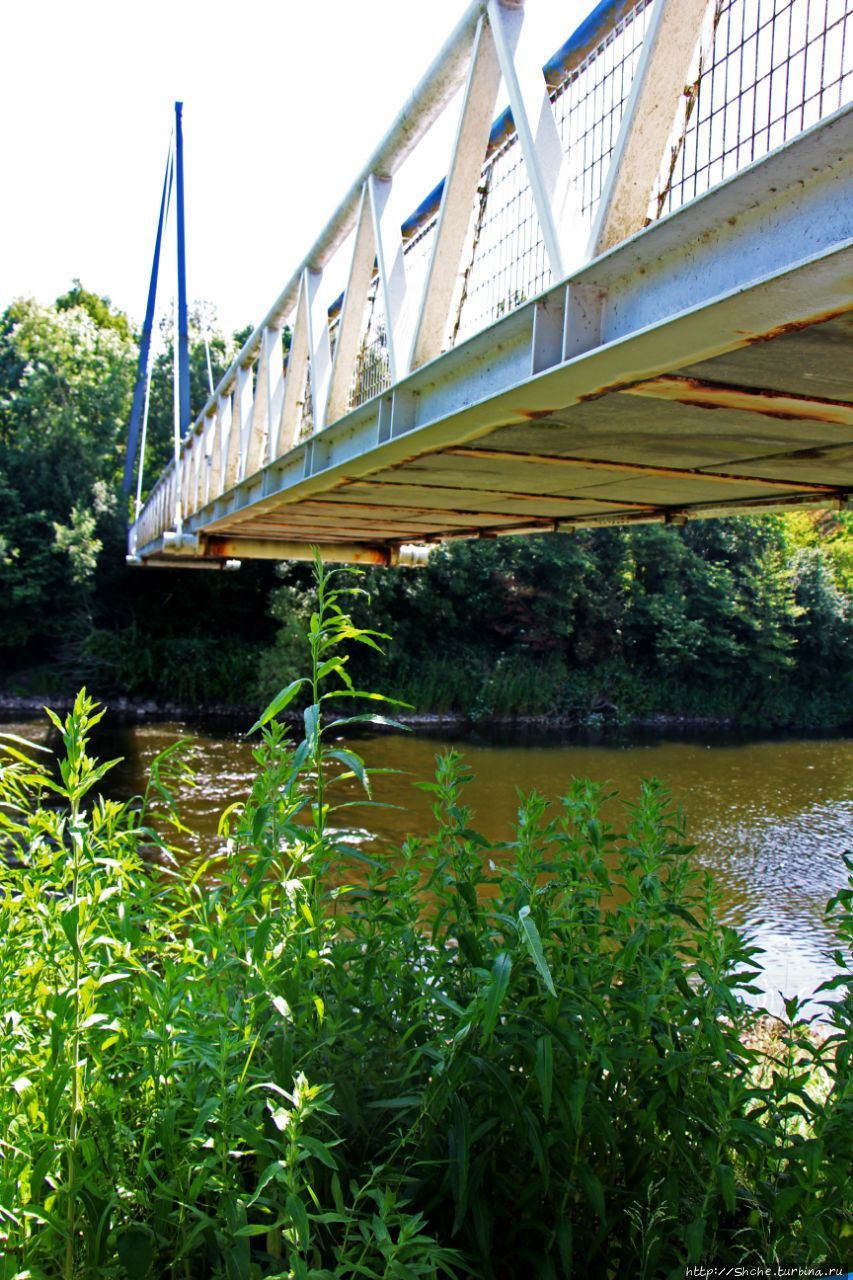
427	101
436	88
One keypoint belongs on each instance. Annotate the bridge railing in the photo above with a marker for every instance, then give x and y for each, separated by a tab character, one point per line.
646	106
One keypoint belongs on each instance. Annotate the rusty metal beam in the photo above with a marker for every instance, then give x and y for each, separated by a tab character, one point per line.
503	494
401	510
219	548
770	404
699	511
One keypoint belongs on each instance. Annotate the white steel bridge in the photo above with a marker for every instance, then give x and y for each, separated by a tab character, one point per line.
629	300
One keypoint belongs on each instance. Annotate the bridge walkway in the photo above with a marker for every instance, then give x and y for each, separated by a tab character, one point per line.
577	327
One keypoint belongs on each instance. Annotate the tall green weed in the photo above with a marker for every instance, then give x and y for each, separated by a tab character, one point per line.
304	1061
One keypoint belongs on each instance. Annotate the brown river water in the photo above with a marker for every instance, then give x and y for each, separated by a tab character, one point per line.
769	818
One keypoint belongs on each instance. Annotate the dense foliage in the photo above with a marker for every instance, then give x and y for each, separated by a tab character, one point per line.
69	607
743	618
297	1060
748	619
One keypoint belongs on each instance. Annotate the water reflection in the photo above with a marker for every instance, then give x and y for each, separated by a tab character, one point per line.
769	818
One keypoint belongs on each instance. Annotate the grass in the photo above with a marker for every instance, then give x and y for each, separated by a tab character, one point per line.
305	1062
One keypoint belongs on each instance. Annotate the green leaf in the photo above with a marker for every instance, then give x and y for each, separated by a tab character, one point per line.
338	665
298	1216
564	1244
373	697
694	1236
545	1071
136	1246
319	1150
577	1093
784	1201
311	716
260	820
497	989
530	933
726	1181
25	742
356	855
354	763
676	909
369	718
69	920
274	1170
459	1150
396	1104
282	699
592	1188
208	1109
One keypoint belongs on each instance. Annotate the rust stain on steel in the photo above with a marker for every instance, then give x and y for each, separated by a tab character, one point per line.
351	511
640	468
795	326
601	392
747	339
400	517
219	548
361	531
515	497
701	394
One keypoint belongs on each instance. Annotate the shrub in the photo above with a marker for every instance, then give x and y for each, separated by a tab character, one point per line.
303	1061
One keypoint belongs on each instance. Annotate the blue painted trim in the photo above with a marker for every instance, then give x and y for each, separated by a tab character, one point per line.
594	29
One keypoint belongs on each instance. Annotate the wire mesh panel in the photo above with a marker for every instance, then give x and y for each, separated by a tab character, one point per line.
418	249
774	67
770	68
372	370
590	103
507	260
334	322
508	263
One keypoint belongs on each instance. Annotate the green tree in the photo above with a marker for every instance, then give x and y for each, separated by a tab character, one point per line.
735	618
66	597
65	384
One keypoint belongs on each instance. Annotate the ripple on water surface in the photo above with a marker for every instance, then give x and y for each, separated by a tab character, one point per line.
769	818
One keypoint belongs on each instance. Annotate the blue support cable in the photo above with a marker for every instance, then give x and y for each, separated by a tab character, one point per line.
183	325
145	342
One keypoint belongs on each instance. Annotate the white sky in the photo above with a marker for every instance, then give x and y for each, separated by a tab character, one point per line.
283	104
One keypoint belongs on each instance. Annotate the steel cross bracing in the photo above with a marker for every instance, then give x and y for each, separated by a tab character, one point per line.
629	300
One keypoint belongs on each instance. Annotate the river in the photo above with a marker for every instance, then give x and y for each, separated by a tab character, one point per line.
769	818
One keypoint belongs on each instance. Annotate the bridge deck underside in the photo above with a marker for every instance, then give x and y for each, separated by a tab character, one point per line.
768	424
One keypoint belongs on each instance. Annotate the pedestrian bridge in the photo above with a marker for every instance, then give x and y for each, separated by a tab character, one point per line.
629	299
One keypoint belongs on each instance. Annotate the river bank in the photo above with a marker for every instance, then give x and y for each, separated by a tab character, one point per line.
606	722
